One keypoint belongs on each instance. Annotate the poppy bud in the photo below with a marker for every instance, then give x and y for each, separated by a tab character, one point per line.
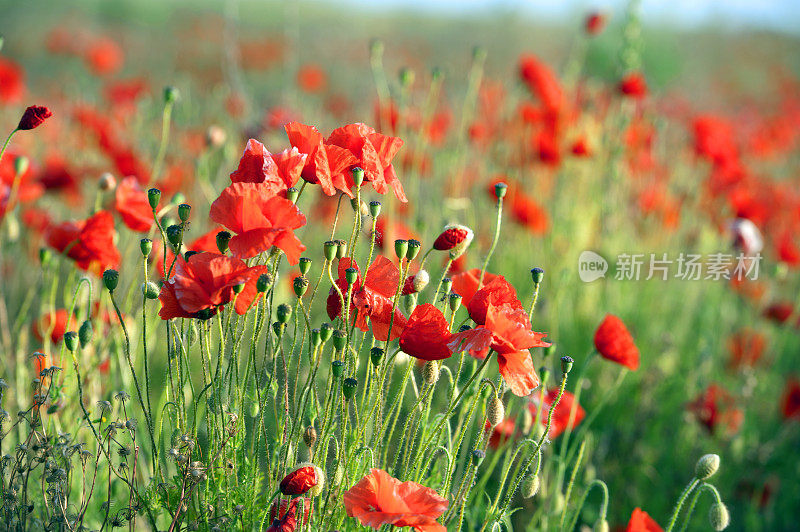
339	339
300	285
71	340
495	412
263	282
351	276
601	525
337	368
153	197
454	238
304	265
110	279
706	466
374	208
171	94
410	302
150	290
292	194
566	364
550	350
349	388
530	486
500	190
358	175
455	301
719	516
284	312
400	248
544	374
85	332
537	274
215	136
430	372
354	204
329	249
325	331
21	164
447	285
184	209
277	327
341	248
146	247
316	339
107	182
307	478
175	235
477	456
33	117
310	436
376	354
414	247
420	281
238	288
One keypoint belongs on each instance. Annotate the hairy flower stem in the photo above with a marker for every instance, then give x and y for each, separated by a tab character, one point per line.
162	148
676	512
494	241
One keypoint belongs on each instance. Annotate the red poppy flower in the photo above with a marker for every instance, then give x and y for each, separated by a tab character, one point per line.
374	153
501	433
54	324
90	243
204	282
790	404
259	219
527	212
277	172
131	203
633	85
302	480
542	82
455	238
205	242
33	117
641	522
285	519
372	297
379	499
125	94
780	312
746	347
613	341
311	78
57	176
595	23
715	407
561	414
104	56
497	292
323	161
427	336
12	86
465	283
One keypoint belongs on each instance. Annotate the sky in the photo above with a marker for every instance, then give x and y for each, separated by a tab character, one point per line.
782	15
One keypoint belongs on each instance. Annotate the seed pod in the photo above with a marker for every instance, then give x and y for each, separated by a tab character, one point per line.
341	248
304	265
375	208
283	312
500	190
316	338
454	301
329	249
184	209
325	331
175	235
530	486
719	516
351	276
300	285
358	175
339	339
223	240
537	274
375	355
477	456
430	372
263	282
146	246
85	333
566	364
495	412
447	285
414	247
337	368
400	248
171	94
238	288
153	198
310	436
111	279
349	388
706	466
292	194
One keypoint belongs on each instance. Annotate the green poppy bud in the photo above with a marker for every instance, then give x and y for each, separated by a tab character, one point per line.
706	466
477	456
719	516
349	388
146	246
150	290
530	486
85	333
153	198
71	340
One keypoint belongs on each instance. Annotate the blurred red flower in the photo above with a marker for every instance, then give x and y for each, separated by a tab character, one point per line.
104	56
90	243
715	407
633	85
641	522
561	414
130	201
790	404
54	324
379	499
311	78
12	86
595	23
746	346
613	341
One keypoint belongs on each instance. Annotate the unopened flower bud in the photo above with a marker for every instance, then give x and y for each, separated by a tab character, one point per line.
107	182
306	478
400	248
530	486
184	209
146	246
21	165
349	388
310	436
215	136
263	282
375	355
477	456
300	285
150	290
284	312
358	176
339	339
175	235
375	208
414	247
292	194
719	516
153	197
171	94
85	333
110	279
537	274
44	256
430	372
495	411
706	466
454	238
337	368
71	340
304	265
454	301
500	190
566	364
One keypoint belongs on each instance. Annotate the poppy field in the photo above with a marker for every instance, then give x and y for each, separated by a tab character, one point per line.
285	266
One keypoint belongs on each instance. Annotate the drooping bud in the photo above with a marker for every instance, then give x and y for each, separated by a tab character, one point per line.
146	246
153	197
375	355
300	285
337	368
358	176
85	333
374	208
706	466
283	312
530	486
537	274
184	210
111	279
263	282
150	290
495	411
310	436
454	238
33	117
566	364
719	516
339	339
400	248
414	247
430	372
71	340
175	235
455	301
349	388
304	265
